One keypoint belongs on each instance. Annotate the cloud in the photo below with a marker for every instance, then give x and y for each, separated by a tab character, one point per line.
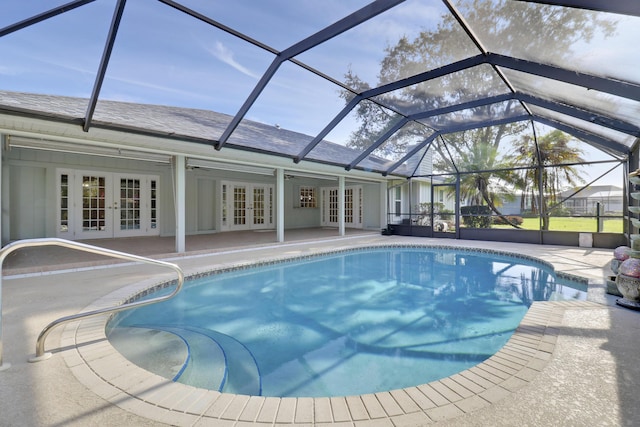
117	92
6	71
224	54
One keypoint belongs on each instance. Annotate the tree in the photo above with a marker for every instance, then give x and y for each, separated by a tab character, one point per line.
552	159
499	23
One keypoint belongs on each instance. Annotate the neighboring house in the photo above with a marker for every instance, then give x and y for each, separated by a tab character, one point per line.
585	201
145	170
512	206
577	201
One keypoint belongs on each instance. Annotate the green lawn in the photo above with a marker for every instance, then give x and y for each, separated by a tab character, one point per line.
613	225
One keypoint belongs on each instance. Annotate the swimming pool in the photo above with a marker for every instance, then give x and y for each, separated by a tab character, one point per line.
345	323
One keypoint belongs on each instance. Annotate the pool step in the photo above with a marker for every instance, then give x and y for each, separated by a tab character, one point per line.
206	366
216	361
243	375
164	353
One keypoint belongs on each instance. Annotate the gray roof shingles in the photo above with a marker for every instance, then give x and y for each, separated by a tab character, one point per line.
180	123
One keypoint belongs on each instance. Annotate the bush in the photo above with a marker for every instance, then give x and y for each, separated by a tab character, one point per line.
476	216
514	219
425	208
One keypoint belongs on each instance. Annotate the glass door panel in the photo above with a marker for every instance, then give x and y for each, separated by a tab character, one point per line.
98	205
352	207
96	213
250	204
239	206
348	206
130	207
259	206
333	206
63	200
136	205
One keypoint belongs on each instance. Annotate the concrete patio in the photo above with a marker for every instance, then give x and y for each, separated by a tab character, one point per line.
582	371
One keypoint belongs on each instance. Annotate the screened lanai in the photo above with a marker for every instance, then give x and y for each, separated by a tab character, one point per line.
488	119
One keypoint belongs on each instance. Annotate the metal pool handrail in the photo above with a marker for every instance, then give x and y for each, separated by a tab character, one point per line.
40	354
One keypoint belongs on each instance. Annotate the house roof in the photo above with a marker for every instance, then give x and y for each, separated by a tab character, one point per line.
594	191
568	65
174	122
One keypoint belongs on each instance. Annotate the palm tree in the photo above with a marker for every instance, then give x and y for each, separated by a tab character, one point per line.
552	160
486	177
555	30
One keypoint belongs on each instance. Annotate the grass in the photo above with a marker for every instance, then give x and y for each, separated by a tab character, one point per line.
613	225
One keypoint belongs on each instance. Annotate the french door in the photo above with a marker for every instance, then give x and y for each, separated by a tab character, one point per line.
247	206
352	207
95	205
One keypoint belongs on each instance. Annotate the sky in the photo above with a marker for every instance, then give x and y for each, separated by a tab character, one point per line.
162	56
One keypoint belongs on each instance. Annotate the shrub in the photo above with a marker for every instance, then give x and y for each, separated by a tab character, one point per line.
477	216
514	219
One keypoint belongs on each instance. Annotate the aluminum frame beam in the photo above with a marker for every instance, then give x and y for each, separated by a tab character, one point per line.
464	106
43	16
582	114
606	85
616	87
390	87
454	129
623	7
411	153
396	127
214	23
478	125
594	139
584	135
602	84
369	11
104	63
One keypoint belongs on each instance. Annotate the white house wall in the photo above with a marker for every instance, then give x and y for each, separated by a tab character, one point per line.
28	202
31	199
371	206
295	216
32	205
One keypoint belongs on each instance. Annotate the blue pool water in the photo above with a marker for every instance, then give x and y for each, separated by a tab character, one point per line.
342	324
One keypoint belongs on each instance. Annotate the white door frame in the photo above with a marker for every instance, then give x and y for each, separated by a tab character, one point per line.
246	205
97	204
353	201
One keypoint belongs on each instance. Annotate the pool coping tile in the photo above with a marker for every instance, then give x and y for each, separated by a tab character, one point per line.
102	369
114	378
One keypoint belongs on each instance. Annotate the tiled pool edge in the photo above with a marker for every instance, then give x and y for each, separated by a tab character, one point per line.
98	366
142	292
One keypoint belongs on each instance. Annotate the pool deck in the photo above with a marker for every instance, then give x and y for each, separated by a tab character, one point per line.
569	363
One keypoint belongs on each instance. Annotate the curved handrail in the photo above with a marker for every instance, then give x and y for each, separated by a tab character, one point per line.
40	354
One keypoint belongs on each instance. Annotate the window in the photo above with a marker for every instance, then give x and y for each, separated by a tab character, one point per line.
308	197
154	204
348	205
398	201
64	203
224	204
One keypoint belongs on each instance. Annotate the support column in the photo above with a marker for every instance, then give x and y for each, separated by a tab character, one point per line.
3	366
280	204
384	204
341	205
180	202
4	233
